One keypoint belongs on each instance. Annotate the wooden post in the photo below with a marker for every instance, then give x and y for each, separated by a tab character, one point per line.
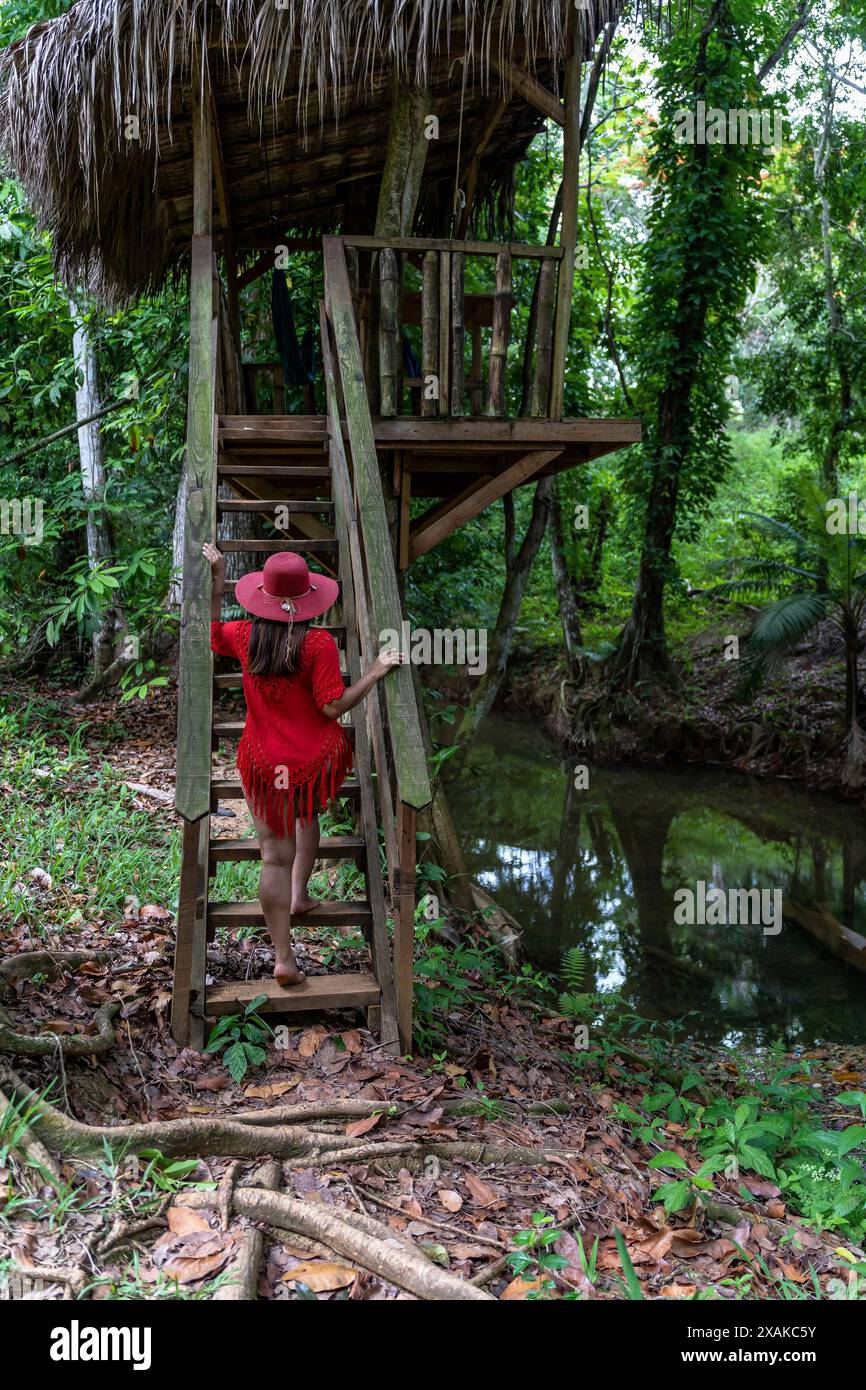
458	334
404	924
389	331
568	228
475	397
187	1028
429	329
405	508
499	337
444	330
195	695
540	393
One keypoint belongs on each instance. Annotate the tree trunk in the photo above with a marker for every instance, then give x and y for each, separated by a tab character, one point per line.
642	652
395	217
565	589
100	540
509	611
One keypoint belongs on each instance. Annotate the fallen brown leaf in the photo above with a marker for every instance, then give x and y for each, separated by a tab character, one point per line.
320	1276
451	1200
359	1127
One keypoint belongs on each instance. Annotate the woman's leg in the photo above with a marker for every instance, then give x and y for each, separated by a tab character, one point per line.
307	840
275	896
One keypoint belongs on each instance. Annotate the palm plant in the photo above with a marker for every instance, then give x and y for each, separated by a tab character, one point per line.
825	579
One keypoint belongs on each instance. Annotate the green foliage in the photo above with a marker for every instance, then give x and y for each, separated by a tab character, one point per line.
826	577
244	1037
534	1258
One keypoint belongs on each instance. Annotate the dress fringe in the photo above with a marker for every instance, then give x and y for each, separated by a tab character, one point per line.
310	790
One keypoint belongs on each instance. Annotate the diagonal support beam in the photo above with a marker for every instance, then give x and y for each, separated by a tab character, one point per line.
466	507
448	504
531	90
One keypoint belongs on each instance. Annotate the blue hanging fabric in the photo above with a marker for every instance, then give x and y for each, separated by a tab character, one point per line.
411	365
298	359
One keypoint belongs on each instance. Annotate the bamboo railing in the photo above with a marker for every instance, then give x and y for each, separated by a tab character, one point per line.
454	325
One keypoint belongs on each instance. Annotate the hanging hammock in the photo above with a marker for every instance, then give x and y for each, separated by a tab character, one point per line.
298	359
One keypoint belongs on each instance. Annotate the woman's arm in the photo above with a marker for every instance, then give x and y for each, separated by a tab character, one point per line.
385	662
217	562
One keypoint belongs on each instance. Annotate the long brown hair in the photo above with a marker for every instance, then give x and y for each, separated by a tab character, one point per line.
275	648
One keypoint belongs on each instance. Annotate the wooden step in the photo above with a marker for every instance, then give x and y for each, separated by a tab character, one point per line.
264	547
268	429
270	504
330	847
317	993
325	914
286	472
233	728
229	789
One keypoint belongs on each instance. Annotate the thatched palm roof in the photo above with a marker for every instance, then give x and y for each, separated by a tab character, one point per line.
302	96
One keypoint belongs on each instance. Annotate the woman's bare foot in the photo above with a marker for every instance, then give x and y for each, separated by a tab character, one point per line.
287	972
304	904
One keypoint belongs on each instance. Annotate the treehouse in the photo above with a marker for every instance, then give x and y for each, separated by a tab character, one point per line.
183	138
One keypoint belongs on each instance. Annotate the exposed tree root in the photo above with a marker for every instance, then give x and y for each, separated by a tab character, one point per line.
242	1137
29	963
26	964
73	1277
74	1045
242	1282
382	1252
33	1154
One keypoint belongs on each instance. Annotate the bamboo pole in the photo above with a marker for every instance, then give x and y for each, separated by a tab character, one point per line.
389	331
540	392
475	394
458	333
499	337
429	329
444	330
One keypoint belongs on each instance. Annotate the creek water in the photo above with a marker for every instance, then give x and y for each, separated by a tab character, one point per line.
599	868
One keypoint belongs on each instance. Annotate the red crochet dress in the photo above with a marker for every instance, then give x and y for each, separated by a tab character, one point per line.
292	758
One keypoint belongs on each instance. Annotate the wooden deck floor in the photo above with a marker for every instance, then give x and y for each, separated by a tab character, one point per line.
442	455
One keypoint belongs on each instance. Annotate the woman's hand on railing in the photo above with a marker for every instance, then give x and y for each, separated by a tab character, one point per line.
217	562
385	662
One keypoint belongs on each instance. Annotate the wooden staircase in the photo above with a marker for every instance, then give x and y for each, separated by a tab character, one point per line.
293	473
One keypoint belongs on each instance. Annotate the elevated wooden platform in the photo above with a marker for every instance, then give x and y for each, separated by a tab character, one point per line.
440	454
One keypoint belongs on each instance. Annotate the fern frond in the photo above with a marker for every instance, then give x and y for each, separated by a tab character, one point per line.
573	969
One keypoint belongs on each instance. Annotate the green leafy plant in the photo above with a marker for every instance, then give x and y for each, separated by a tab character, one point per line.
535	1258
243	1036
679	1193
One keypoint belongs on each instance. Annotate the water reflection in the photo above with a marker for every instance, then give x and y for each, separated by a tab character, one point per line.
598	867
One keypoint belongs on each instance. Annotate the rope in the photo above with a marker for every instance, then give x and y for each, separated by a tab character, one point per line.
459	195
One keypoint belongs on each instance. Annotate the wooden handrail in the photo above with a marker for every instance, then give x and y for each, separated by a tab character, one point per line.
516	249
195	689
347	522
410	766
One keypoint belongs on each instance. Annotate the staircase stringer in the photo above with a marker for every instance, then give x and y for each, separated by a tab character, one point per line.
369	826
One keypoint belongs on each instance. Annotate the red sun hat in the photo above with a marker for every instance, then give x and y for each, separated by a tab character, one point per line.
285	591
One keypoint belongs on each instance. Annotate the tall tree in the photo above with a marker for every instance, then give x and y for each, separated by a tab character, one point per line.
706	227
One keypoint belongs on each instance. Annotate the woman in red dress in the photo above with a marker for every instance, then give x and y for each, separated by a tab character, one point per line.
294	754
